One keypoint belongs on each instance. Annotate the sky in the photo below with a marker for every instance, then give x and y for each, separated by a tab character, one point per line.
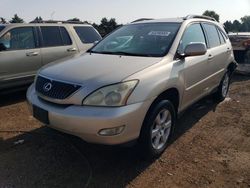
124	11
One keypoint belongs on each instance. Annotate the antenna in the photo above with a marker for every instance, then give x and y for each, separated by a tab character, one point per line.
52	15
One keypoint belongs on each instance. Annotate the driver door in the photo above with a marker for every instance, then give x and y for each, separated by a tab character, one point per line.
196	73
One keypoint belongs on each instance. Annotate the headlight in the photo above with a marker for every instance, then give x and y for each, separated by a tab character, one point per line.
113	95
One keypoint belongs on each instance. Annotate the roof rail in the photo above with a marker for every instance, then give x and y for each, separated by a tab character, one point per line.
200	16
58	21
142	19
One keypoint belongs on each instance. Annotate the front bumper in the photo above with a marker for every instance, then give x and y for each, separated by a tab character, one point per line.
85	121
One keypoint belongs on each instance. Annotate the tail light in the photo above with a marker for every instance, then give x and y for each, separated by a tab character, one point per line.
246	43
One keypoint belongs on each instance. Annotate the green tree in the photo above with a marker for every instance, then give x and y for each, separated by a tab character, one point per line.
106	26
3	20
16	19
212	14
78	20
236	26
74	20
37	20
245	26
228	26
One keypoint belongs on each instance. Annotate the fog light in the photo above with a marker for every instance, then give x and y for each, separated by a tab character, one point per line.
111	131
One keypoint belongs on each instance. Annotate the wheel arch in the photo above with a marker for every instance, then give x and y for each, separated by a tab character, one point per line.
231	67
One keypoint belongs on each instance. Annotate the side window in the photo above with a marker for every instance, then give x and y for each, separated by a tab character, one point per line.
222	39
18	39
223	34
212	35
51	36
65	36
87	34
192	34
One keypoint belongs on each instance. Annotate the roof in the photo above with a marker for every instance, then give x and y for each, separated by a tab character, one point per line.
45	24
240	33
174	20
163	20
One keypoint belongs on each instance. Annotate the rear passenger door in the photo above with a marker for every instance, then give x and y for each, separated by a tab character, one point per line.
218	52
56	43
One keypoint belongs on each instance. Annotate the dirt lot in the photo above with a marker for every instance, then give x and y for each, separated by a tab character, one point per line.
211	149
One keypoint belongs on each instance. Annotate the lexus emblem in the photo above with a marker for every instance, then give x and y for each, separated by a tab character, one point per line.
47	87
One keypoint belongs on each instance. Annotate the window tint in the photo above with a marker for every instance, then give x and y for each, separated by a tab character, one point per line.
1	28
65	36
222	39
87	34
192	34
51	36
223	34
18	38
212	35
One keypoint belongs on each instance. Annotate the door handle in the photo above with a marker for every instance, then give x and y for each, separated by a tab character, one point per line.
71	50
228	50
30	54
210	57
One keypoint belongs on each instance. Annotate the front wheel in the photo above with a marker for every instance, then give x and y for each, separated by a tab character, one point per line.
157	129
223	88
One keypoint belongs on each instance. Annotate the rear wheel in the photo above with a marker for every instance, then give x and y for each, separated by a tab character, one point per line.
157	129
223	88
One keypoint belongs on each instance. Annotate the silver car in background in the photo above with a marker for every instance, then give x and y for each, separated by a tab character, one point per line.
133	84
25	48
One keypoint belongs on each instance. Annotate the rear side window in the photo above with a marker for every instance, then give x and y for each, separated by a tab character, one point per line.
1	28
212	35
55	36
222	39
87	34
65	36
192	34
51	36
18	39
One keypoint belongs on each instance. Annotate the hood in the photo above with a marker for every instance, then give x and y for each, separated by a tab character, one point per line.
101	68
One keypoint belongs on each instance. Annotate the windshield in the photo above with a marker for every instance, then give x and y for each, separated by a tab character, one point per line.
1	27
150	39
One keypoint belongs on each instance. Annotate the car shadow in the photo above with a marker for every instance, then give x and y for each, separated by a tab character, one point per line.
47	158
13	95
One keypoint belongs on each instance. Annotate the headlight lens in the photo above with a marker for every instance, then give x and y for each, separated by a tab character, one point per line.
113	95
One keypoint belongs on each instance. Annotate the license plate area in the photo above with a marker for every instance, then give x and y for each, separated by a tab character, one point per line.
41	114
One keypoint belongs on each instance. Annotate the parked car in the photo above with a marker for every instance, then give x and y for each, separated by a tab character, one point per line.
134	88
241	46
24	48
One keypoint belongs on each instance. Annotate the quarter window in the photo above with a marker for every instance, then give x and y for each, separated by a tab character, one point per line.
212	35
87	34
18	38
222	39
192	34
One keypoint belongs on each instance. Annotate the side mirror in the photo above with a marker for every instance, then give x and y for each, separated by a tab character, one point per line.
2	47
195	49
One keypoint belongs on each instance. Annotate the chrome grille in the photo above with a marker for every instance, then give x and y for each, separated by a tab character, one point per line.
55	89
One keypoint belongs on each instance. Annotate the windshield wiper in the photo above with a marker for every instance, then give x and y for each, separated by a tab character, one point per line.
121	53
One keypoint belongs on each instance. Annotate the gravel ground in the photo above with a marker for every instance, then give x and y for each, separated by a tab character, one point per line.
211	149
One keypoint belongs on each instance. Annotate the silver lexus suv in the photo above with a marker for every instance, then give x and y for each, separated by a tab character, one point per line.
133	84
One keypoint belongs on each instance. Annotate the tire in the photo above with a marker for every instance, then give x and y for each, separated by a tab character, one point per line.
247	57
157	129
223	88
